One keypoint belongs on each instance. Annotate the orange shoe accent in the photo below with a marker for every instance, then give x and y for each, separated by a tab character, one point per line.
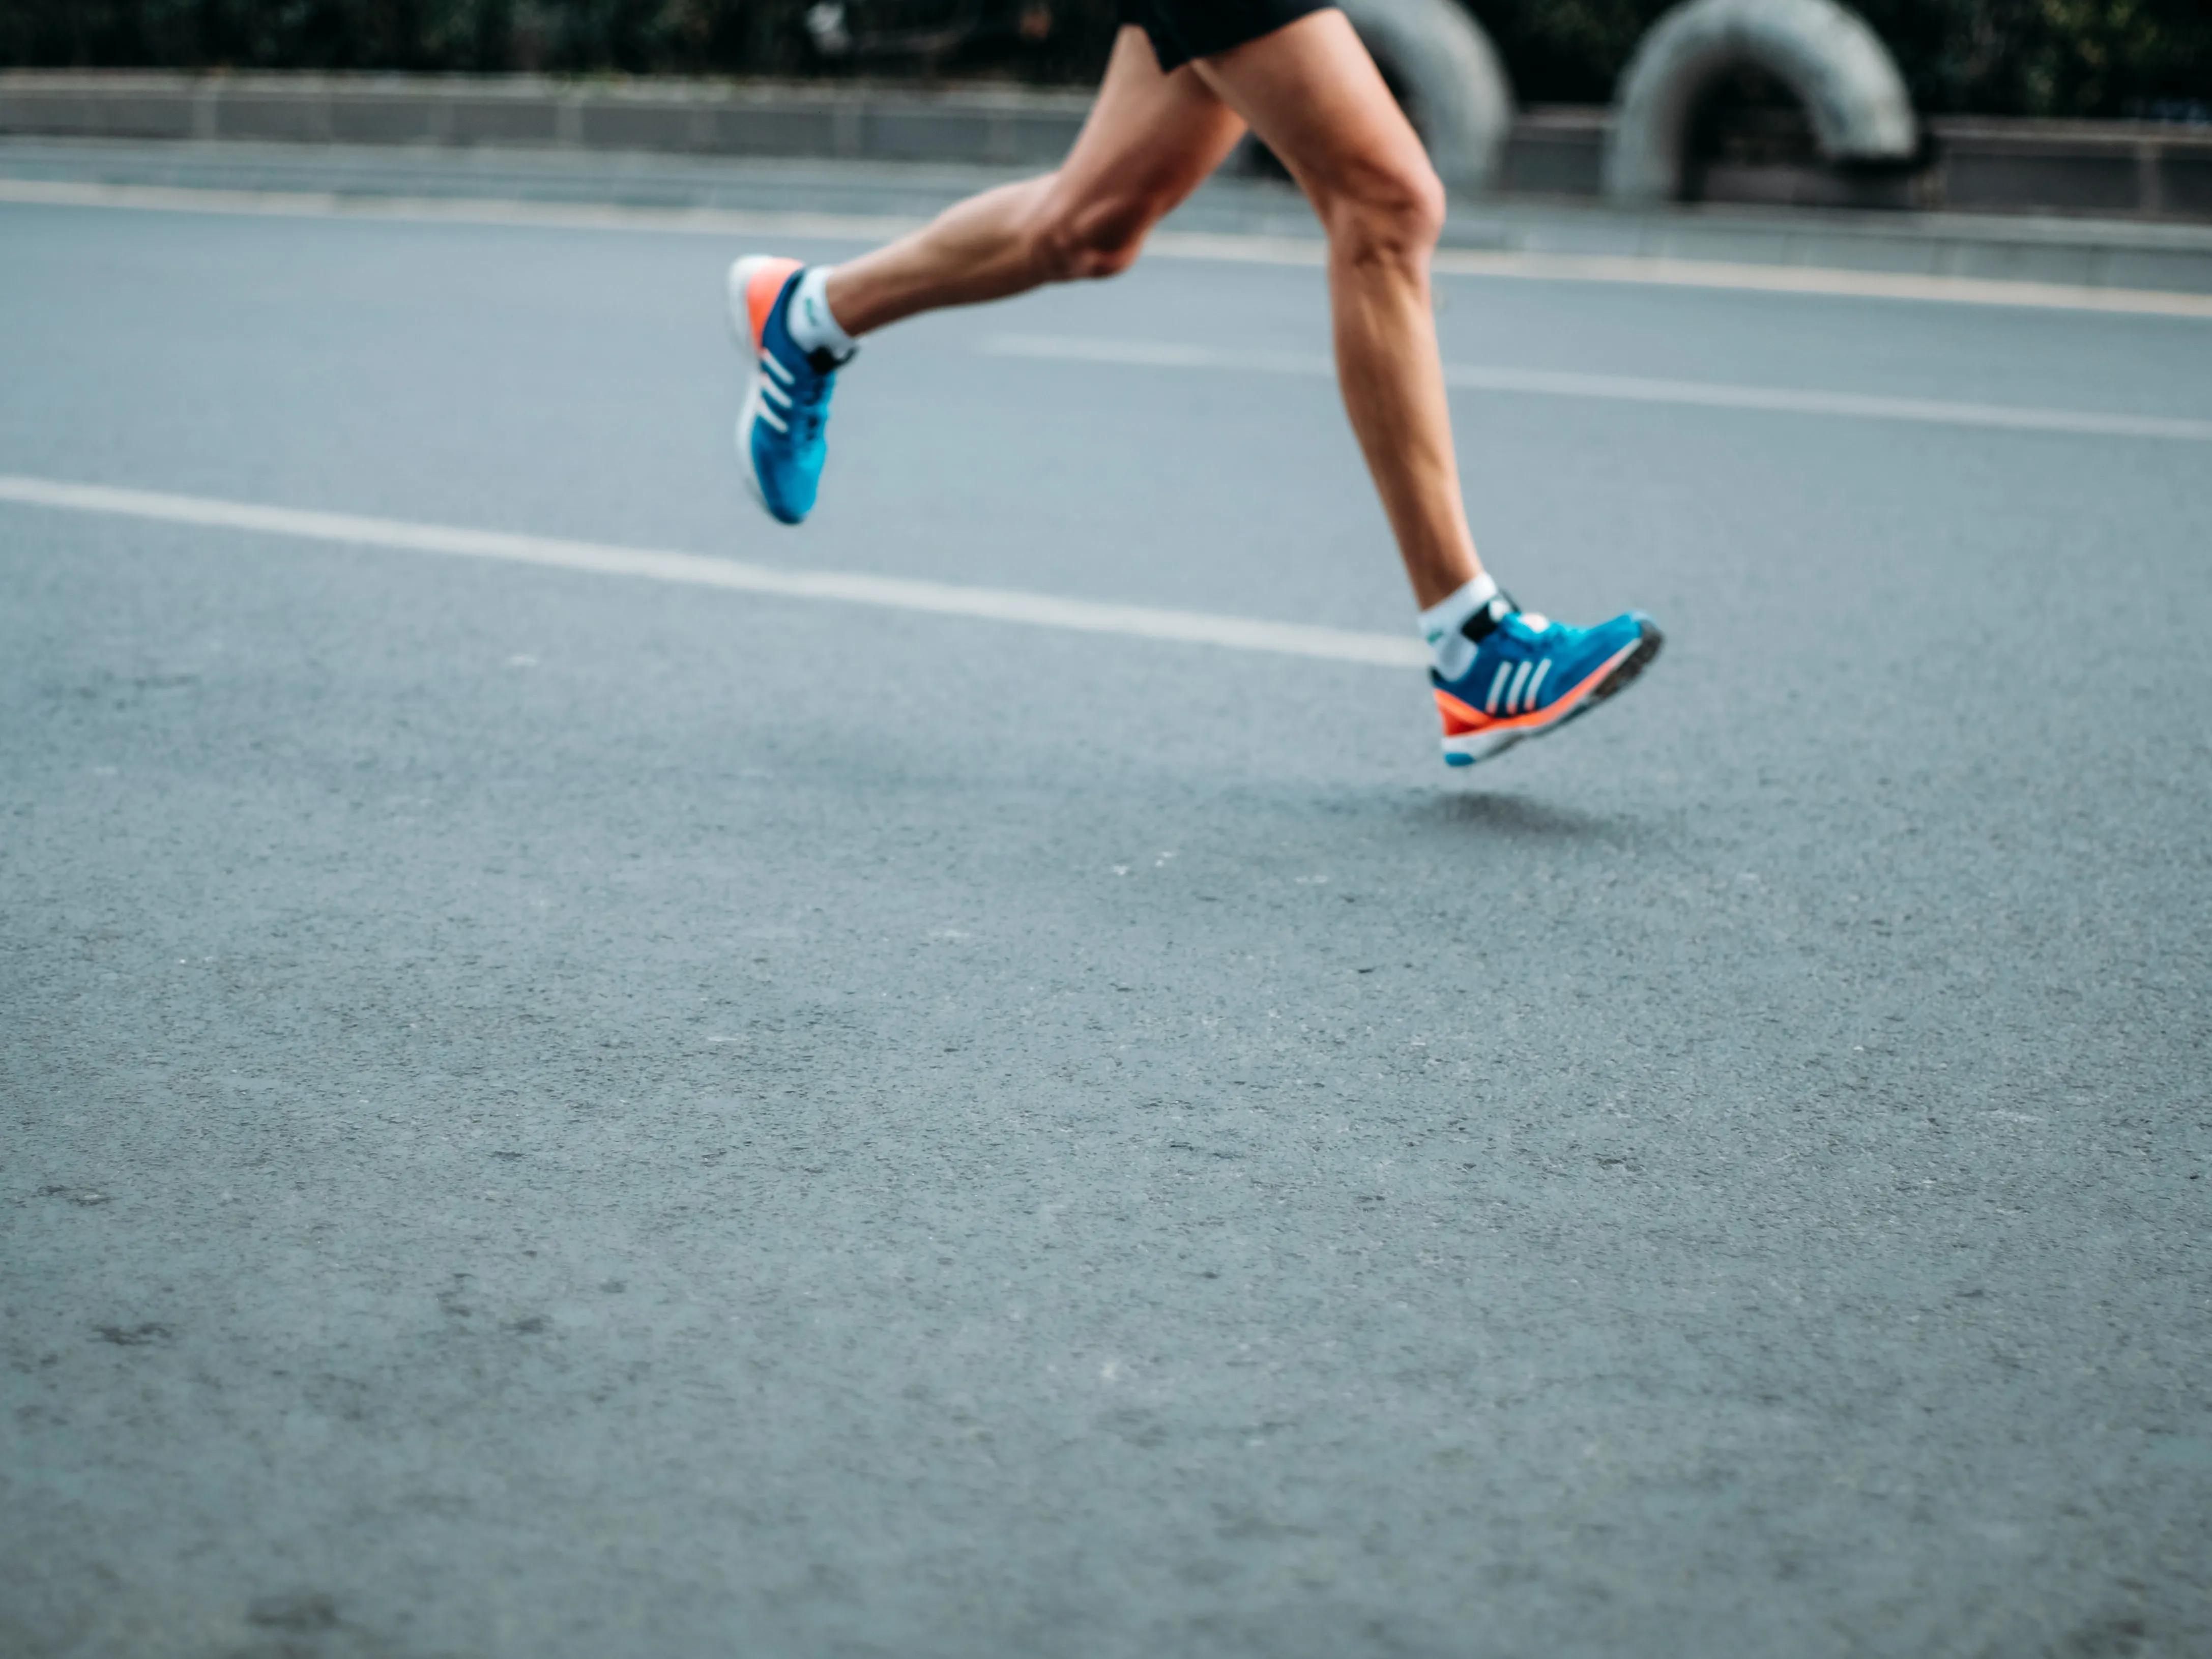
1566	703
760	293
1460	718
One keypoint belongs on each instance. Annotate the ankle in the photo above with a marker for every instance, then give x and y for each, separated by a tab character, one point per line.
812	318
1455	625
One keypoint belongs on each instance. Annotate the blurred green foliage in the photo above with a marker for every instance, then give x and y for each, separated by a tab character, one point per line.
2054	57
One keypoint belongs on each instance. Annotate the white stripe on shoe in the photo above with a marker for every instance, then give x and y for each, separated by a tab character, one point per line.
1520	679
1497	685
1535	686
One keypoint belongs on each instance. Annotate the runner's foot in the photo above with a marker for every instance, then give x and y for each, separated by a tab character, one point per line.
779	441
1532	674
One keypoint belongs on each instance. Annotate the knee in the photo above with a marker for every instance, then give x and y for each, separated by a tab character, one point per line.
1391	211
1075	240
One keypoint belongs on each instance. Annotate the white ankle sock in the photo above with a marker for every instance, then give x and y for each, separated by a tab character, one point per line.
809	319
1452	651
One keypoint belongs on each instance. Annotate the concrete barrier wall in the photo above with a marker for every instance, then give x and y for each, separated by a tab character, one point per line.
969	125
2109	169
2117	169
2129	168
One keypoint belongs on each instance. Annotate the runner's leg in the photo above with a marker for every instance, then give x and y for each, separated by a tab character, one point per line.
1313	96
1149	140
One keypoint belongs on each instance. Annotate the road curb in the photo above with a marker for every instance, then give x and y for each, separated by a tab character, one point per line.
2150	171
677	144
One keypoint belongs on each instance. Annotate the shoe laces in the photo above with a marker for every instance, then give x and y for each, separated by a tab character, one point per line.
810	400
1529	627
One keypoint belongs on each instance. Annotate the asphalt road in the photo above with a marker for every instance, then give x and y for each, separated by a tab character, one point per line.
551	1114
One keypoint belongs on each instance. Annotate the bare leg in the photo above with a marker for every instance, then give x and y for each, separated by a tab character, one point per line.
1151	140
1311	90
1313	94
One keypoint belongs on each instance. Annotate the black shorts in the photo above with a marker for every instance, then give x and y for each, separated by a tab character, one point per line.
1183	29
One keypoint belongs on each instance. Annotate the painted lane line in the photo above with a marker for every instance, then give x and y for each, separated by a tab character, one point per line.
1669	271
697	570
1658	271
1666	271
1619	388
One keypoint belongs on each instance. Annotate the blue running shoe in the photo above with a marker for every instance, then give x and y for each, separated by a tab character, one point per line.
1532	674
779	438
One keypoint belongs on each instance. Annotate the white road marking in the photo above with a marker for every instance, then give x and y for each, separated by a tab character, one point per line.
1650	271
696	570
1621	388
1661	271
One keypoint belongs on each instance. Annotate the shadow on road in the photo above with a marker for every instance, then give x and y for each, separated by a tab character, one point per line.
1516	817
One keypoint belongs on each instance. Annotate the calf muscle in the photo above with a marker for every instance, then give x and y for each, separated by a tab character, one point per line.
1313	96
1311	91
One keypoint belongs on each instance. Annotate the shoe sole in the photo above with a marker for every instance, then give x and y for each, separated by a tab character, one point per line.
1473	747
741	273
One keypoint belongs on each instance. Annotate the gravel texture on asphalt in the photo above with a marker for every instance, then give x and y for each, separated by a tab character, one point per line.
550	1116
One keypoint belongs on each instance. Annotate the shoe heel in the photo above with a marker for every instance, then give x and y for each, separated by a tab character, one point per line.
735	311
747	306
